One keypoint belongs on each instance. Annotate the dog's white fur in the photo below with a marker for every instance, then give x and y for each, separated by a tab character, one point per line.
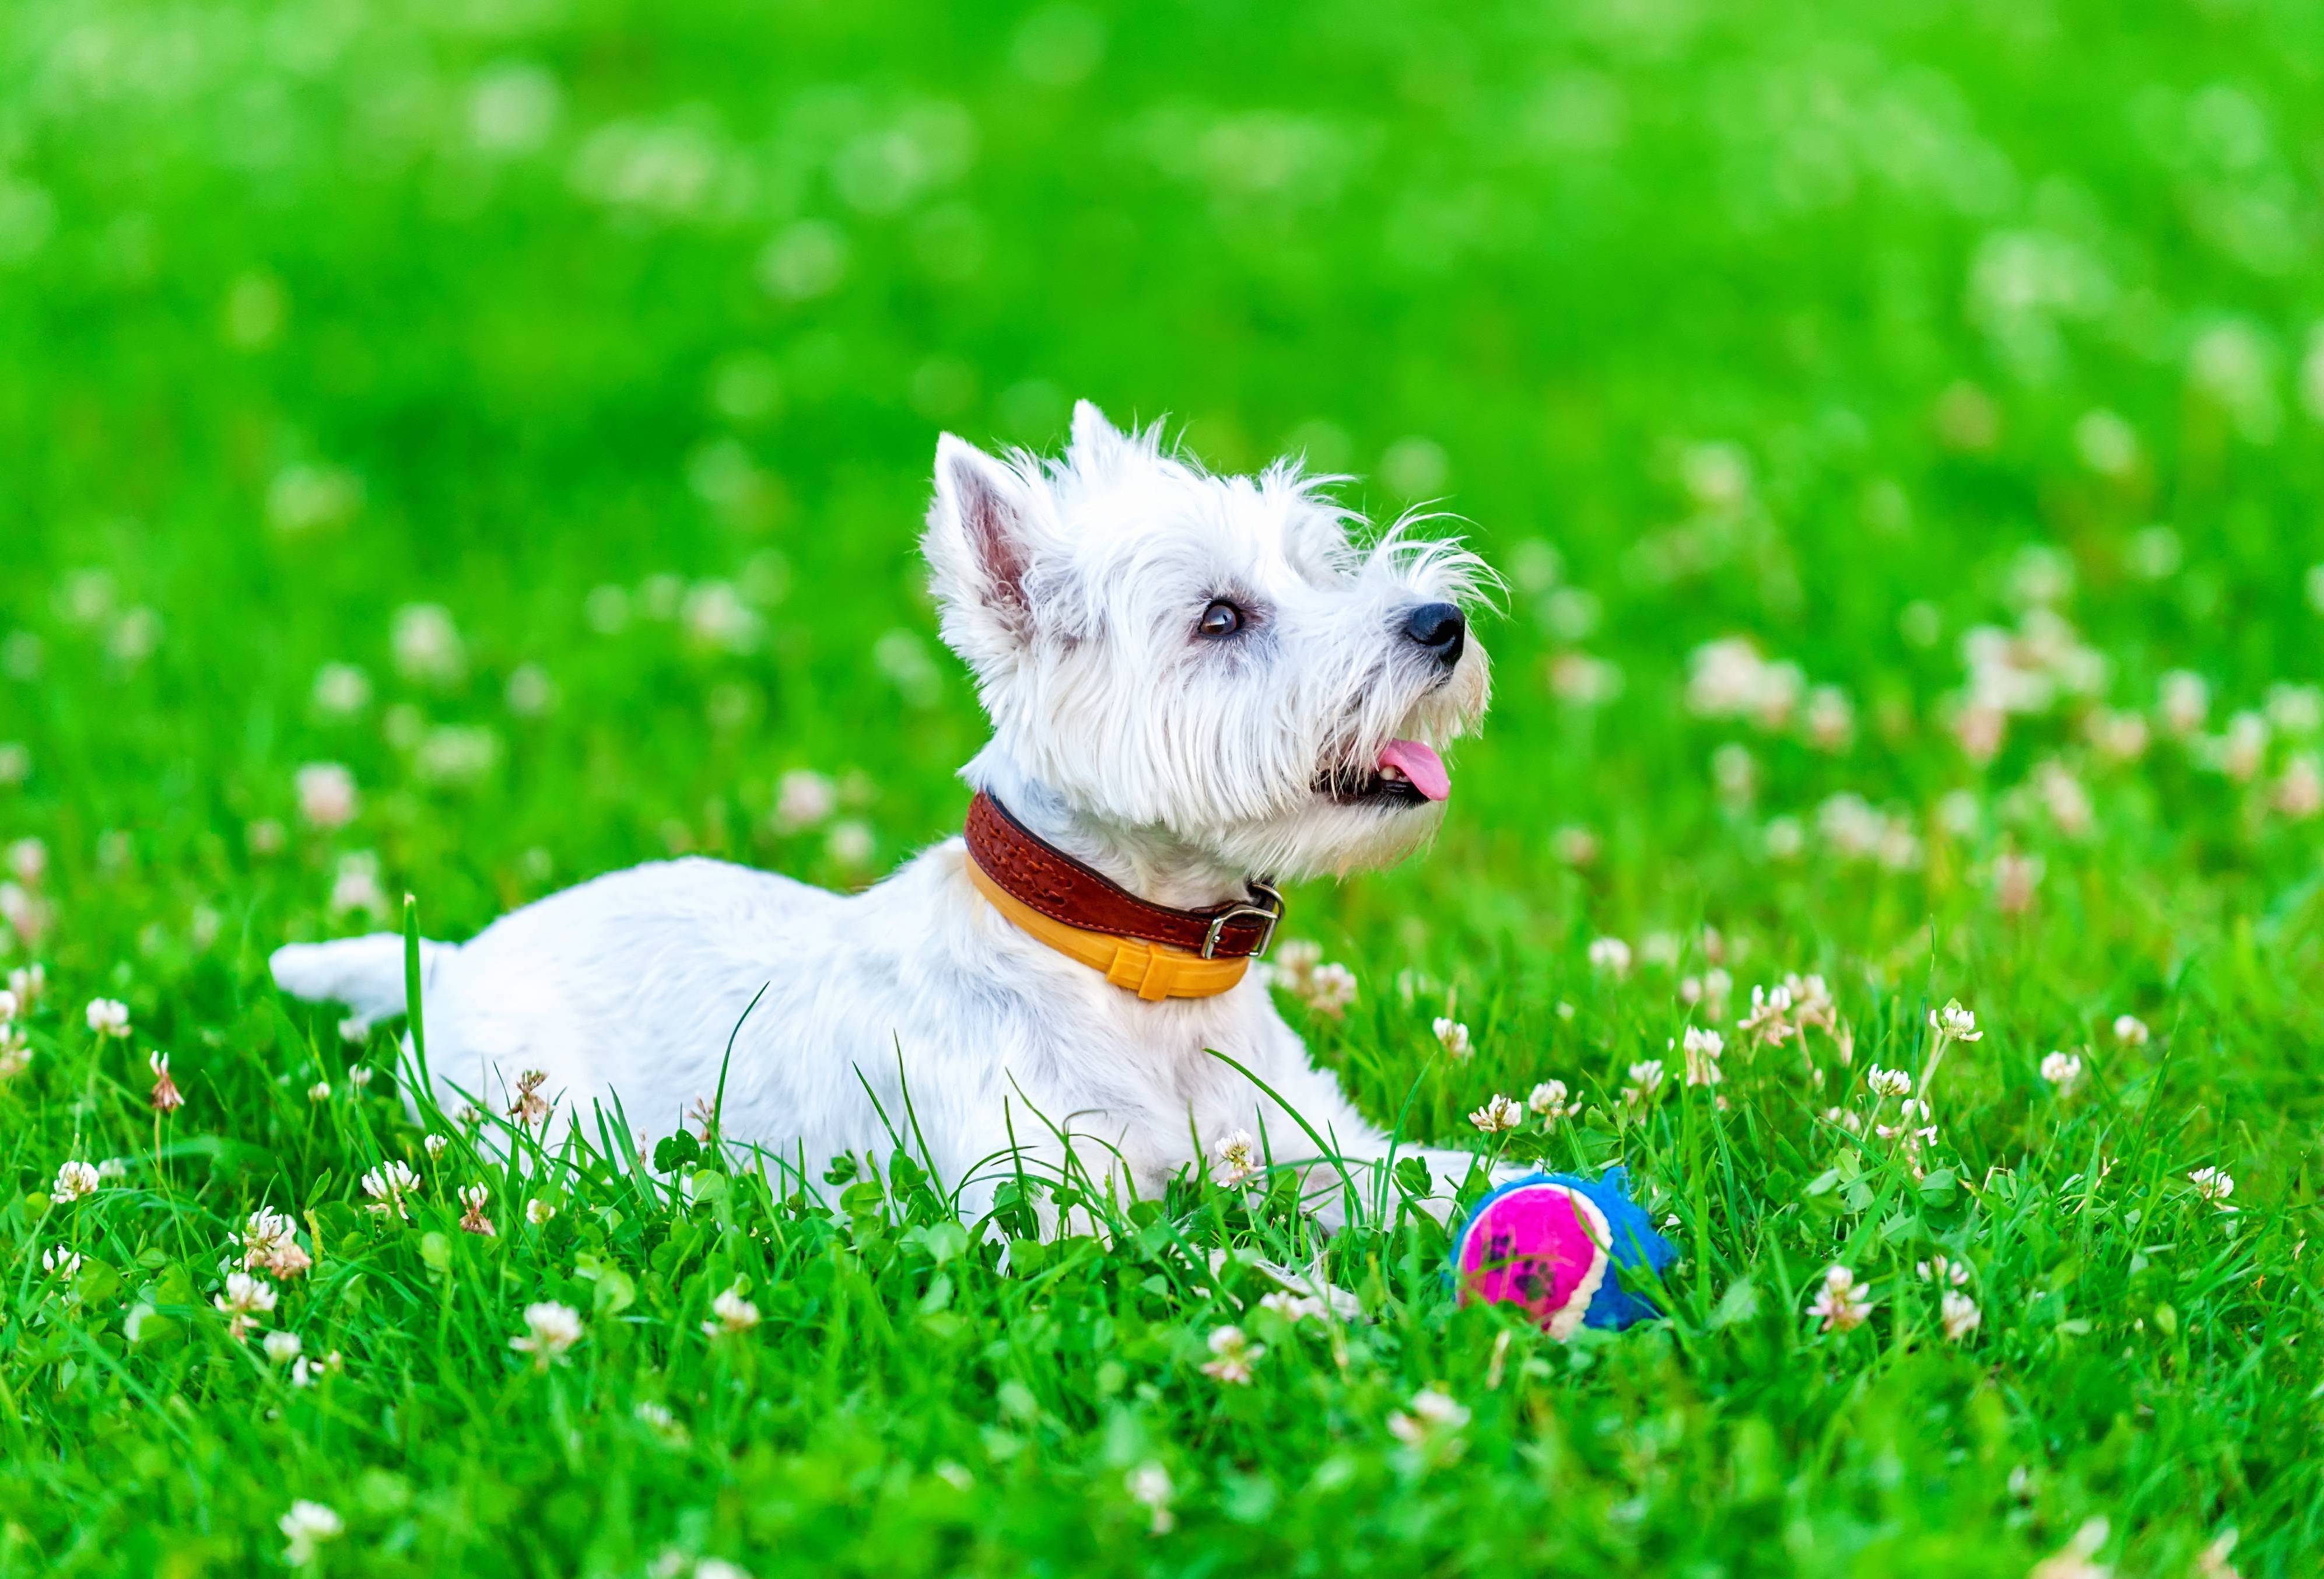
1177	766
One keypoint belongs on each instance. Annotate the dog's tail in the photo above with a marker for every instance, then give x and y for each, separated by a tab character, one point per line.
365	974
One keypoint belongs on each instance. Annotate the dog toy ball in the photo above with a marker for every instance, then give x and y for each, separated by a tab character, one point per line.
1551	1241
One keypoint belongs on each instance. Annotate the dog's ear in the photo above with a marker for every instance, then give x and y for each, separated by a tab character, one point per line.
1097	444
978	546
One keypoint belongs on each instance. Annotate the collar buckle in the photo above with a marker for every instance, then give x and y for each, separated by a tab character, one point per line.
1267	911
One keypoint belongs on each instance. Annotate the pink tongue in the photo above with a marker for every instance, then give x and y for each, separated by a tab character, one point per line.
1417	762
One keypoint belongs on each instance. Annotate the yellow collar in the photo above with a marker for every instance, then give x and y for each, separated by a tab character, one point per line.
1154	971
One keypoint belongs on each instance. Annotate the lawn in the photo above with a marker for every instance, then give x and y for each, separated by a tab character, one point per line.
455	448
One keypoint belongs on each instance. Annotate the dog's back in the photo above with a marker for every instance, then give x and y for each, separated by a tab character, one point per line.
656	962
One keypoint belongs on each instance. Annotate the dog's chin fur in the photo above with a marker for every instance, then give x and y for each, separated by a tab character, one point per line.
1183	766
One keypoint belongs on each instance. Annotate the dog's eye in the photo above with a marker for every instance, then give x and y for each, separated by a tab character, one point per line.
1220	619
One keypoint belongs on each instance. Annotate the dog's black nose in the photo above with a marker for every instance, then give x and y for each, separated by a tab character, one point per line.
1439	628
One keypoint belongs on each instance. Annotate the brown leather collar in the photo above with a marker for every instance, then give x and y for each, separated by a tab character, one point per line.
1052	882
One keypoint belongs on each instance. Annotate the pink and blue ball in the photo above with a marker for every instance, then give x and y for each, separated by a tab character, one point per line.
1564	1249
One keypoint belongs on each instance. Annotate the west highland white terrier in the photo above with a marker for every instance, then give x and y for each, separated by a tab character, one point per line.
1198	686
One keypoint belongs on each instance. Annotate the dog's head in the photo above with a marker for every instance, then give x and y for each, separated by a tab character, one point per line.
1214	660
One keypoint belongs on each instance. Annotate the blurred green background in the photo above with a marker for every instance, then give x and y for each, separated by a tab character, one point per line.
529	405
1758	318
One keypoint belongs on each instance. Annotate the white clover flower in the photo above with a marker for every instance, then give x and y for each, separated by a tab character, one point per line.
716	615
305	1370
387	1184
2120	737
2244	746
850	842
266	1229
2215	1185
1702	1049
246	1299
280	1347
2016	878
538	1211
1331	988
434	1146
166	1098
1610	955
1234	1356
341	690
1295	960
427	644
1912	1113
2063	1070
1149	1487
62	1264
803	798
327	797
530	691
1954	1023
270	1241
2184	699
1500	1113
28	860
1454	1036
1646	1085
1888	1082
1840	1302
1769	1021
2130	1030
2065	799
733	1314
306	1526
1959	1314
2300	792
1236	1157
1830	718
1550	1100
1938	1269
74	1180
319	1091
550	1329
356	886
530	1107
1784	838
2077	1559
1432	1414
2211	1561
1812	1004
474	1199
108	1017
1711	990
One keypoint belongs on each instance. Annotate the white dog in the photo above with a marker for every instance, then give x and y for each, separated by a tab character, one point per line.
1195	682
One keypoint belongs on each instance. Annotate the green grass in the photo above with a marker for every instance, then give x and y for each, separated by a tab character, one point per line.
1845	330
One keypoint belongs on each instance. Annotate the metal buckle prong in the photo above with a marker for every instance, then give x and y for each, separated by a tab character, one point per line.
1269	912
